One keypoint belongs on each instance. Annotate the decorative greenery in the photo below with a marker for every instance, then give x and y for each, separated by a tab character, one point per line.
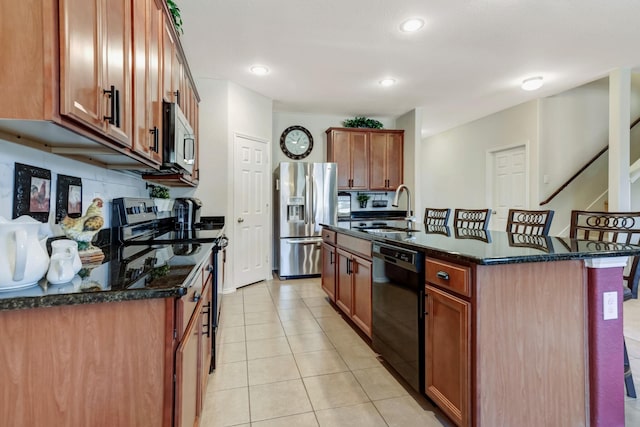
362	197
160	271
362	122
175	14
158	191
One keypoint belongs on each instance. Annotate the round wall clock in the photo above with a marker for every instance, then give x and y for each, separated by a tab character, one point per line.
296	142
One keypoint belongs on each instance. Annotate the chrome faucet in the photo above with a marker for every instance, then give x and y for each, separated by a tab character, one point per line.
410	218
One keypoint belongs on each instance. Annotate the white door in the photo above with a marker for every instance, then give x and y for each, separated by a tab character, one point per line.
251	195
509	189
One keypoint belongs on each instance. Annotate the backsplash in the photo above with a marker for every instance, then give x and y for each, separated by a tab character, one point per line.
96	181
378	200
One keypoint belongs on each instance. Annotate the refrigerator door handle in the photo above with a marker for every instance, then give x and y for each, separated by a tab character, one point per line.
310	241
306	202
313	201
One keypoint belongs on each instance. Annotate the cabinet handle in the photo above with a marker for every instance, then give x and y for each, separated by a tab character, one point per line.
206	328
117	102
442	275
155	133
348	266
331	260
196	297
111	93
177	94
426	304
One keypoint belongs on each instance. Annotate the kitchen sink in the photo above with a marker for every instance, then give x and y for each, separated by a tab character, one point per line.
385	230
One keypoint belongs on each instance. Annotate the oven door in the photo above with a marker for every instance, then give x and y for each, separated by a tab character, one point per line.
398	315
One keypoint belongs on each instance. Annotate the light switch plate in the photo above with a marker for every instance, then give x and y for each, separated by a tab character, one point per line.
610	305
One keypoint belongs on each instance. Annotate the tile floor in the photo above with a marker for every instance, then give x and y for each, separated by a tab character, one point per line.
287	358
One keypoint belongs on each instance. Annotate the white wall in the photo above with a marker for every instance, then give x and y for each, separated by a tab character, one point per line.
96	181
452	164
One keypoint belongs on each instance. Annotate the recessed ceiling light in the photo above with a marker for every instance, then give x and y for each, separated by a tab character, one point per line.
387	82
532	83
259	70
412	24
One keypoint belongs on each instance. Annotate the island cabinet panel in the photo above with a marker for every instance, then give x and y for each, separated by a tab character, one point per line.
386	154
344	292
86	365
328	279
362	304
350	150
95	71
531	335
447	353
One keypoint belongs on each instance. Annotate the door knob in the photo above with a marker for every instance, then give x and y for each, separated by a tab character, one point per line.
240	219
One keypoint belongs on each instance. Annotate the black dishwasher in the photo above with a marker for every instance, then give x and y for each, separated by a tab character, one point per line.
398	314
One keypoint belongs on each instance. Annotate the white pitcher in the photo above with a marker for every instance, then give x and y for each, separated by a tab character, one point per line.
23	258
61	268
66	246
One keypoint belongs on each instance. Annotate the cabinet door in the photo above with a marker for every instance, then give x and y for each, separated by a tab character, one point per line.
359	154
339	152
395	160
170	89
377	160
329	271
155	23
81	95
447	354
361	313
186	387
343	274
116	38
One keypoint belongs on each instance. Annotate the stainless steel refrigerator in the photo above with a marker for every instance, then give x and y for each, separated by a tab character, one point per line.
306	195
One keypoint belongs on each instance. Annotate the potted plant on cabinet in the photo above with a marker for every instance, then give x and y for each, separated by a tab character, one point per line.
160	196
363	198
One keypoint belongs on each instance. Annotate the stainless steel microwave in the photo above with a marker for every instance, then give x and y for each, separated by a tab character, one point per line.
178	140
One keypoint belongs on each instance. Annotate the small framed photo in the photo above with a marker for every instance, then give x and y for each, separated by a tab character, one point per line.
32	192
68	197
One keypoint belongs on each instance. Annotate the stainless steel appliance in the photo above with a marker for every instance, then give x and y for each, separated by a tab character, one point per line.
398	312
187	213
344	205
305	197
178	140
152	253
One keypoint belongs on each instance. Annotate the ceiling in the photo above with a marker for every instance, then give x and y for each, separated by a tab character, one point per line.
327	56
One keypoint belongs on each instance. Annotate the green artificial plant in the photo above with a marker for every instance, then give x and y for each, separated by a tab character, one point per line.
175	14
158	191
362	122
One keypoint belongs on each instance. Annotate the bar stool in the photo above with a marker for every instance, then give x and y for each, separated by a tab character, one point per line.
619	227
474	219
536	223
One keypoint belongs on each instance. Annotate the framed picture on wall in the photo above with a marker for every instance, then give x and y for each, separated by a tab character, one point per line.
31	192
68	197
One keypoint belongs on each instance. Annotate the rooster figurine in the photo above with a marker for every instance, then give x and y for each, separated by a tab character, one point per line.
84	228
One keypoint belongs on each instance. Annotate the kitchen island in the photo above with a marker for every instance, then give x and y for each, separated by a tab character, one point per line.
515	330
127	342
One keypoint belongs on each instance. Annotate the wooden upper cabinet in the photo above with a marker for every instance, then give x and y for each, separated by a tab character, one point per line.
386	160
170	72
147	79
95	45
350	150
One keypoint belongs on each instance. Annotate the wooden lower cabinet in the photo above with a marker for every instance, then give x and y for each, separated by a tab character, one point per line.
353	288
328	280
447	353
125	363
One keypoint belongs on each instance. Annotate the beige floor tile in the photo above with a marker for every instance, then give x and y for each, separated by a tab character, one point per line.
344	337
278	400
230	375
286	295
260	317
299	327
358	357
320	363
334	390
297	314
333	324
362	415
301	420
289	304
259	306
257	349
264	331
226	408
272	369
312	292
228	320
317	301
379	384
231	352
406	412
324	311
232	334
232	308
309	342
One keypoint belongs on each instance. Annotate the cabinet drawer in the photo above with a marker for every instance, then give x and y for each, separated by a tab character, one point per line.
187	304
329	236
354	244
448	275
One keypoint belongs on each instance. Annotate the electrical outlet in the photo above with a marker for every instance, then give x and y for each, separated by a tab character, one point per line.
610	305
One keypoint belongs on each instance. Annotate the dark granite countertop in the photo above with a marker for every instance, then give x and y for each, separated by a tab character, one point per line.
158	271
491	247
